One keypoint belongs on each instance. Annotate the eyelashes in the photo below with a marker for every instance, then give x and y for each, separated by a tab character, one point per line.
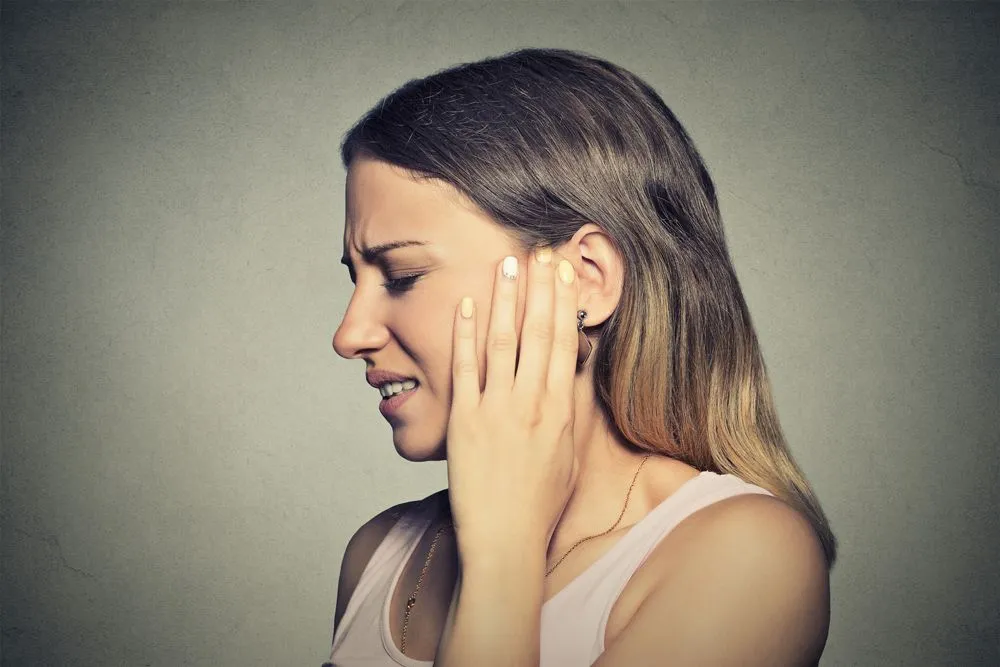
394	286
401	284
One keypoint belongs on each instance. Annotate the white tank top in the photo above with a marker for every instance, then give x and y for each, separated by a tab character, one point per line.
573	622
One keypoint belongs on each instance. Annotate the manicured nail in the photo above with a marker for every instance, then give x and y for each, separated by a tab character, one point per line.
466	307
565	272
543	255
510	267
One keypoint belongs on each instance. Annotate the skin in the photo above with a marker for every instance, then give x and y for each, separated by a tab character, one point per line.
410	333
749	564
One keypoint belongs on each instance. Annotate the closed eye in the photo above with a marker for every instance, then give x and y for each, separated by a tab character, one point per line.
401	284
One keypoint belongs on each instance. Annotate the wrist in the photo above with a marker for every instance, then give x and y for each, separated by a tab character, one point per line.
499	561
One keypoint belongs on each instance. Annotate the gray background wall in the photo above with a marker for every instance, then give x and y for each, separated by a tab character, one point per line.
184	456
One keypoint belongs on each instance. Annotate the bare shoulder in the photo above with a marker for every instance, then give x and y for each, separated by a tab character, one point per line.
759	525
360	549
749	569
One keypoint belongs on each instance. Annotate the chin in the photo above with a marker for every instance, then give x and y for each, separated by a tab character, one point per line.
411	446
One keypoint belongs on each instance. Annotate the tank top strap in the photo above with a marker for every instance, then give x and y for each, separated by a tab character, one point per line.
382	570
700	492
583	607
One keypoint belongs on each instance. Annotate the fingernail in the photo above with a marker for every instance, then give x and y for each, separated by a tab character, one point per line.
565	272
510	267
466	307
543	255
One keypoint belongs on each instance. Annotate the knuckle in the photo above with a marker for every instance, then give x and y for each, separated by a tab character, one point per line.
503	341
560	412
567	342
465	367
541	330
557	423
532	416
542	274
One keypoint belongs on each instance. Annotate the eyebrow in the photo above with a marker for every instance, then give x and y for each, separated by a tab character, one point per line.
371	255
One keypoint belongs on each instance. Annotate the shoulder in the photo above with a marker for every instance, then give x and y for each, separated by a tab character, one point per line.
749	568
757	524
361	547
367	538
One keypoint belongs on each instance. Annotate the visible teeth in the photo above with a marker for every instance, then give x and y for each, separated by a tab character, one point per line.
391	388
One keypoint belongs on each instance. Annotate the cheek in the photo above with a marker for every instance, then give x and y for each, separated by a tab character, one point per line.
429	327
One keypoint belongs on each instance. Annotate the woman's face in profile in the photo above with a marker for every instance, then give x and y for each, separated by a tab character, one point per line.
401	313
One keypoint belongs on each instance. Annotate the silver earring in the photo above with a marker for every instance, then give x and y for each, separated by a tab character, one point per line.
585	347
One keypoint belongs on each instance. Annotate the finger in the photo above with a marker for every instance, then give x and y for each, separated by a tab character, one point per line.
501	337
562	365
465	360
537	327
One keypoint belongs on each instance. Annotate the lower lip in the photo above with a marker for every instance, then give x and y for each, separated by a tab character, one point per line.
389	406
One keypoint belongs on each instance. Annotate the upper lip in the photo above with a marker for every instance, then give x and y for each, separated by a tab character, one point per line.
379	378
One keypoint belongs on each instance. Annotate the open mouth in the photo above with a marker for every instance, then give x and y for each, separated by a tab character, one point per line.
394	396
391	389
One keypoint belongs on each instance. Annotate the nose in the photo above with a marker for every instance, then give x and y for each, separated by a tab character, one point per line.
360	333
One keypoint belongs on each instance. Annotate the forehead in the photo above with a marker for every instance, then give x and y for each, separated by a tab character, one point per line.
385	203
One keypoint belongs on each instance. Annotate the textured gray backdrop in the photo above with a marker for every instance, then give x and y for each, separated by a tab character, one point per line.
184	456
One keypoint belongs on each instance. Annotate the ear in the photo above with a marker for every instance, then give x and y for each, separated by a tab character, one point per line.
600	269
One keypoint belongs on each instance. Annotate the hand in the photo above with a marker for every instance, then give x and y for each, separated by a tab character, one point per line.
511	461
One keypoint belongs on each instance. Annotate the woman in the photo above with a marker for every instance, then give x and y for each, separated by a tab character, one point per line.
544	297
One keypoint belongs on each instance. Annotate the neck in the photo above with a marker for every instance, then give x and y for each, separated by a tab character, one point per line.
607	466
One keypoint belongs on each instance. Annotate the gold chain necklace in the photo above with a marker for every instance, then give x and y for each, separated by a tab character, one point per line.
412	600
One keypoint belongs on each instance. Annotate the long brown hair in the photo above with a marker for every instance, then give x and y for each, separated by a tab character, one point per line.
545	140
